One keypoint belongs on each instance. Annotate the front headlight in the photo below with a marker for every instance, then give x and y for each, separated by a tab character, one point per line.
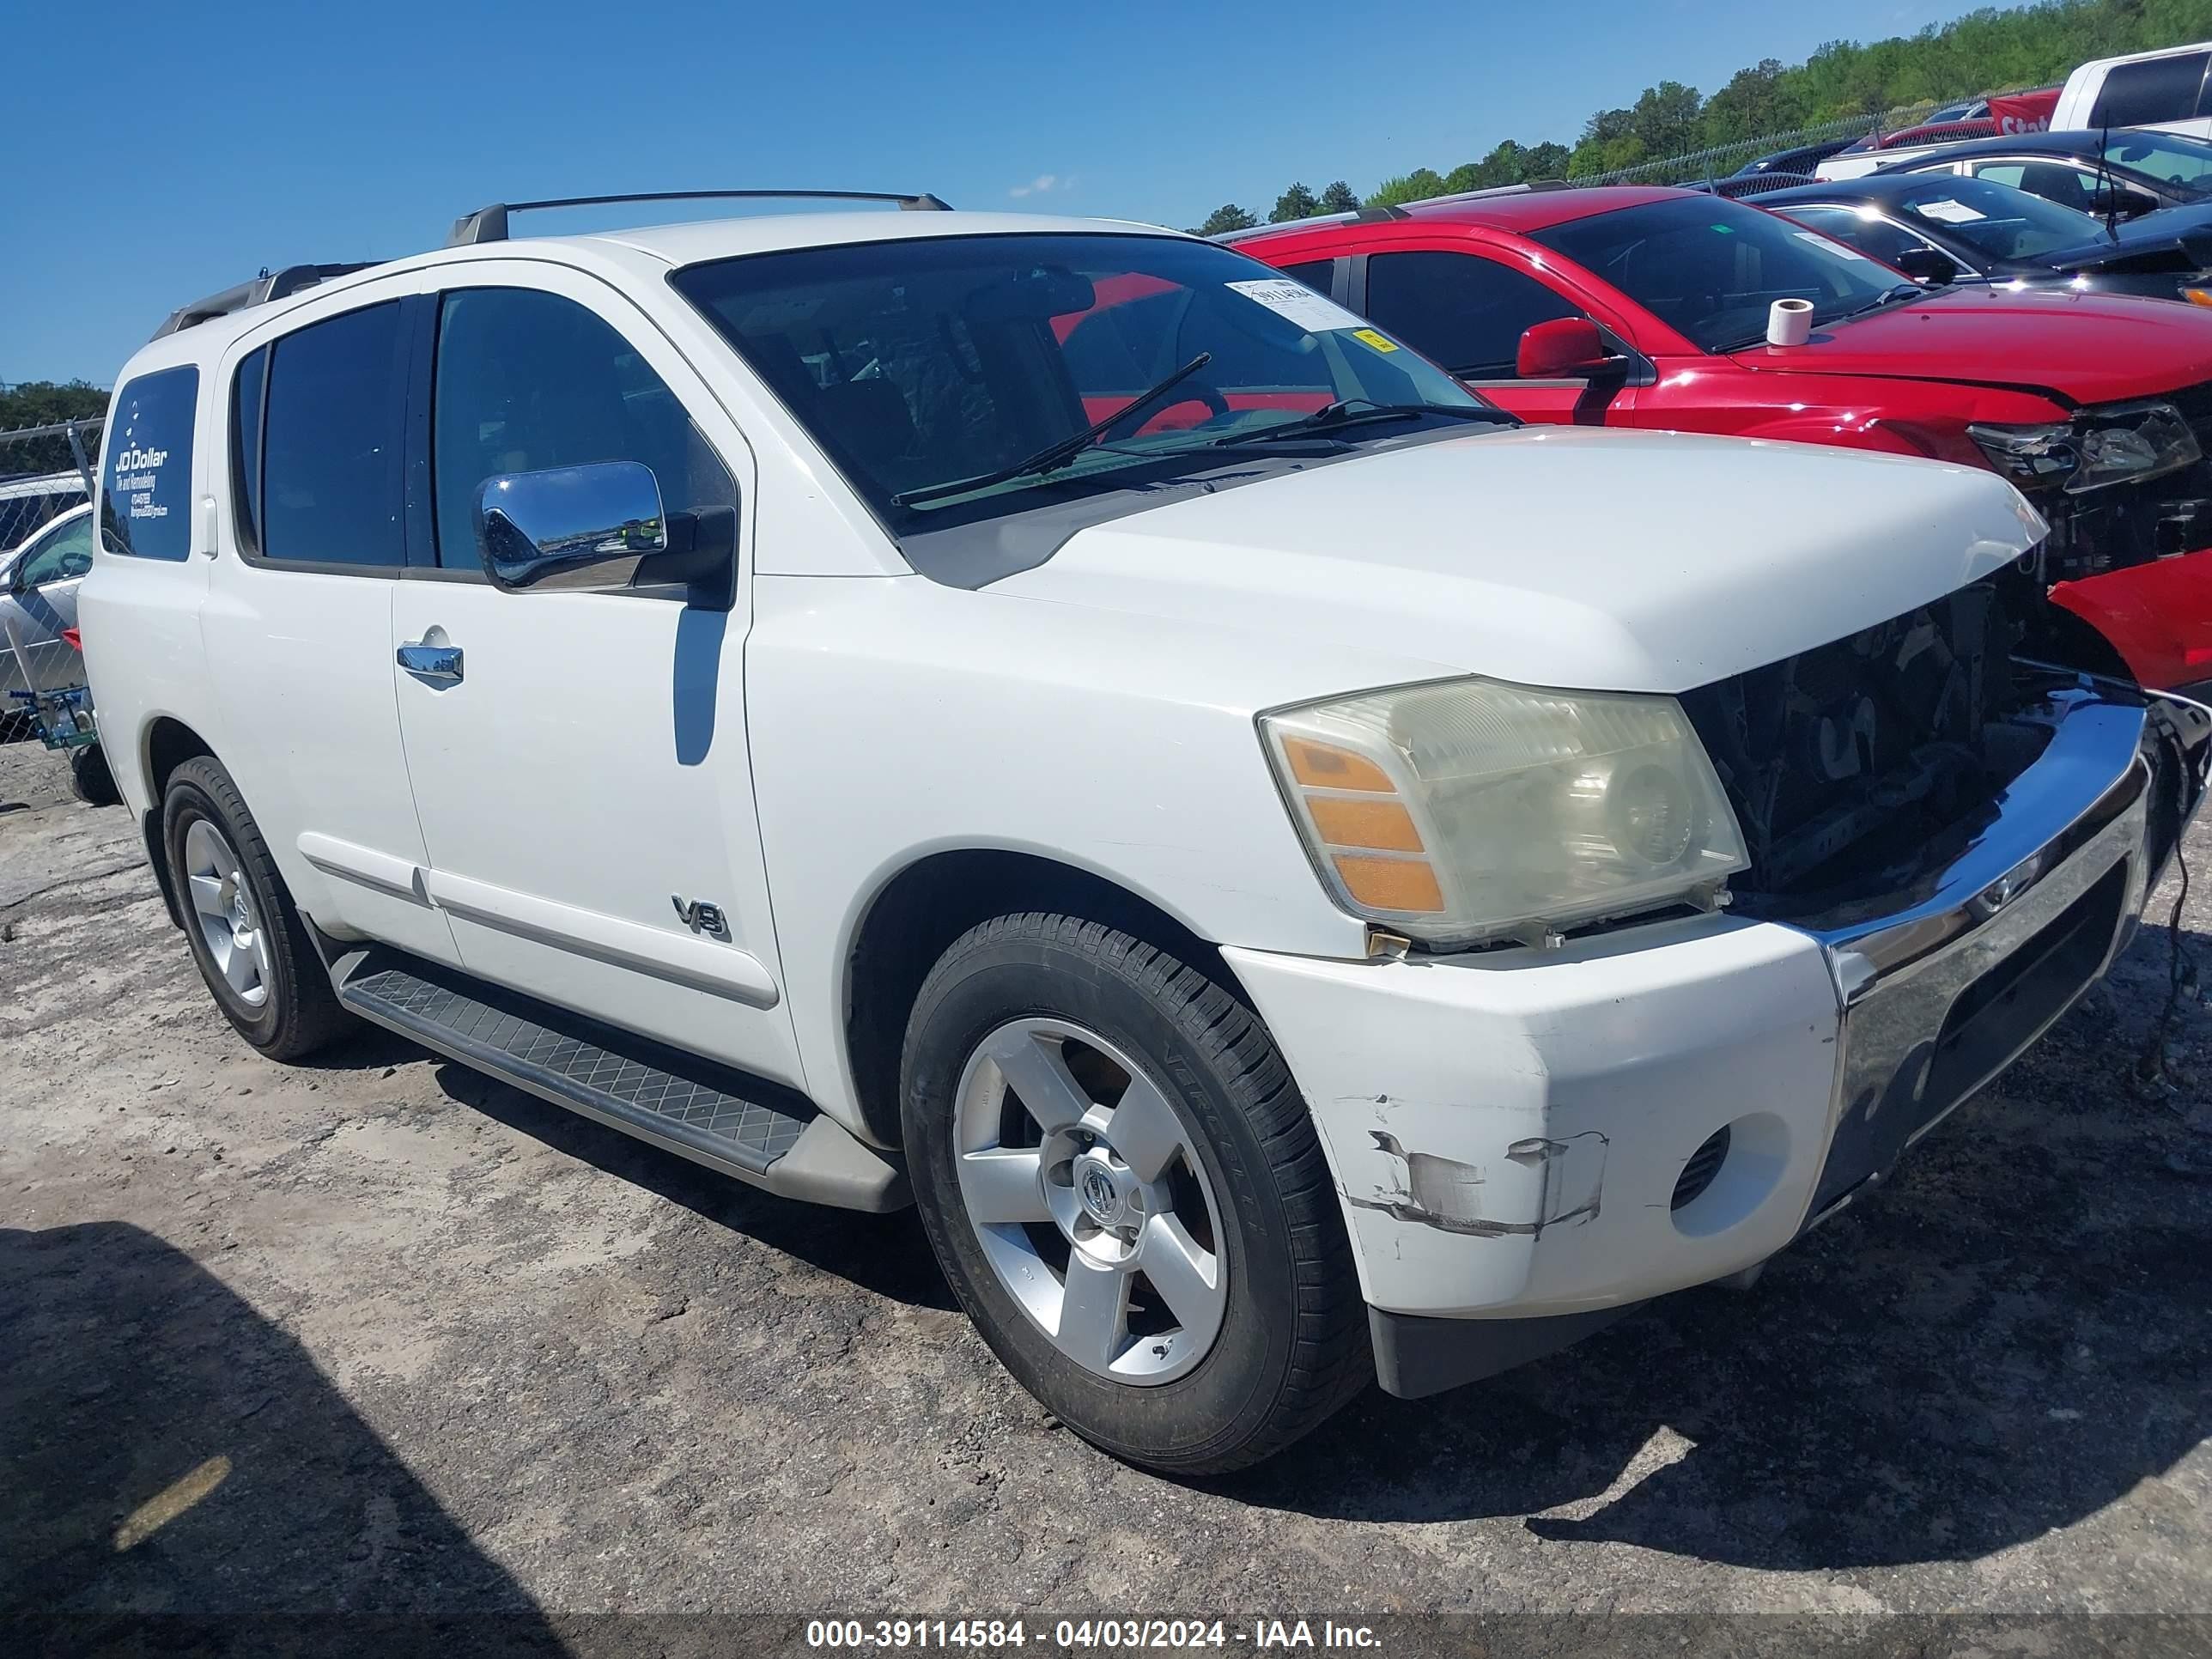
2098	447
1466	810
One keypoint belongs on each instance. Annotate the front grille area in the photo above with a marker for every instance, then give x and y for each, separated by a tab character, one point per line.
1848	765
1697	1173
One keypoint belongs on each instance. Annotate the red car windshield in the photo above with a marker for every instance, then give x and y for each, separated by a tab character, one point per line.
1711	270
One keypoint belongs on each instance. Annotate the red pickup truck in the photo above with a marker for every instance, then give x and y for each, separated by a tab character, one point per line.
1649	307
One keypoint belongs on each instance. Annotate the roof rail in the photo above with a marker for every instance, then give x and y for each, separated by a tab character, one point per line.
1288	224
489	224
1370	215
260	290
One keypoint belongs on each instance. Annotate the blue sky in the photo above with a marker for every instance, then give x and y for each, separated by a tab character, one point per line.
162	152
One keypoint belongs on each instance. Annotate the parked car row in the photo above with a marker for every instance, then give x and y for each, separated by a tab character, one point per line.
1649	307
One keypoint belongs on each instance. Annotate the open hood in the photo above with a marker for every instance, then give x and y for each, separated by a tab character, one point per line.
2087	348
1578	557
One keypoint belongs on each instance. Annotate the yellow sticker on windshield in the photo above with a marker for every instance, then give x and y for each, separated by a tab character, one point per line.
1380	341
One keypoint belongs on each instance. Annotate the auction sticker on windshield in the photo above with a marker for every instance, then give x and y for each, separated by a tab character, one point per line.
1295	302
1950	212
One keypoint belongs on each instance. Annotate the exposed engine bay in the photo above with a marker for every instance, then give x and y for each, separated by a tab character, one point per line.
1850	763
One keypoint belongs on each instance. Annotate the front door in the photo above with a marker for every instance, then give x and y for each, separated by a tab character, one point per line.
580	770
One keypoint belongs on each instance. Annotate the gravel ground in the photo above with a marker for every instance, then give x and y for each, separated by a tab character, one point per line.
419	1344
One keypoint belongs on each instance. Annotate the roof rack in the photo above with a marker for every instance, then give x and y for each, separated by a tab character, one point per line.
489	224
1370	215
259	291
1288	224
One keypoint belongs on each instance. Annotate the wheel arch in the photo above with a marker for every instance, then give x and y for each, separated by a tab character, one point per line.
166	744
921	906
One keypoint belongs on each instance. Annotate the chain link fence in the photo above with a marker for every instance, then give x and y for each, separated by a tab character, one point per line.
1719	162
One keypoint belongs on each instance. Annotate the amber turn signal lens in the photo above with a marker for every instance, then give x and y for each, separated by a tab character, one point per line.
2198	296
1385	825
1408	885
1324	766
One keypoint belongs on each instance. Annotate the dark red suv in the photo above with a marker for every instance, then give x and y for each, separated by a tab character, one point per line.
1649	307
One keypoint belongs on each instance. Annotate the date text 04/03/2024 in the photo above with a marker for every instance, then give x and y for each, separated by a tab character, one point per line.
1085	1633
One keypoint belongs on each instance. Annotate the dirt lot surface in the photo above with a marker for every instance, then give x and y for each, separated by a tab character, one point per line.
379	1335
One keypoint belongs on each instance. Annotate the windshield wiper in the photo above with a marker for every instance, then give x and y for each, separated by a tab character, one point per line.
1888	295
1358	411
1054	456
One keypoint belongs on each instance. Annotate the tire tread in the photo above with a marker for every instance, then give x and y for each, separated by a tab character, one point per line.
1329	1361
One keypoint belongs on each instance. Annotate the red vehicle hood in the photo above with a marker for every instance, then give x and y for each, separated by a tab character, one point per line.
2088	349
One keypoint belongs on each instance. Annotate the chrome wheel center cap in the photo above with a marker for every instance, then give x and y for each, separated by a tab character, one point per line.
1108	1191
1099	1196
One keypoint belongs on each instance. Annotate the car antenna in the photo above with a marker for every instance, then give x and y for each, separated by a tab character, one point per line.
2112	194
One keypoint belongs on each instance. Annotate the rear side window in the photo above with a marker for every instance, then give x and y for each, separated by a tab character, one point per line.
146	500
1465	311
2156	89
248	399
329	484
1314	273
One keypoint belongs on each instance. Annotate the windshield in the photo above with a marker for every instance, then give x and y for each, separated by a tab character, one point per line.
2165	157
1711	270
1994	221
920	363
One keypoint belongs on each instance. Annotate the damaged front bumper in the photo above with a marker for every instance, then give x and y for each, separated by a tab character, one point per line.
1524	1140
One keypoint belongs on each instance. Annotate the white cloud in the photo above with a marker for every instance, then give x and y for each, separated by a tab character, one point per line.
1042	185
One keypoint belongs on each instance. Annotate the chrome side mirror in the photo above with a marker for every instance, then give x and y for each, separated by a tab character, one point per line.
569	526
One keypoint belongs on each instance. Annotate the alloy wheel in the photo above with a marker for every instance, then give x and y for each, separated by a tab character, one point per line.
222	904
1090	1202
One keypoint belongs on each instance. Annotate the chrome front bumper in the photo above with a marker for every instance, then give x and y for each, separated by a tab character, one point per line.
1940	996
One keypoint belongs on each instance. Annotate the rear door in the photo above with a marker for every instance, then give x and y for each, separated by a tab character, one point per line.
581	774
297	624
1468	309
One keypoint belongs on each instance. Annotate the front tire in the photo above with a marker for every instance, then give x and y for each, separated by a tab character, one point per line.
246	934
1126	1191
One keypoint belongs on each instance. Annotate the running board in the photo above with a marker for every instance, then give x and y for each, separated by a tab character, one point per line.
743	1127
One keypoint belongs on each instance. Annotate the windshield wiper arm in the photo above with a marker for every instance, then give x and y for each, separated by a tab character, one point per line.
1054	456
1900	291
1347	411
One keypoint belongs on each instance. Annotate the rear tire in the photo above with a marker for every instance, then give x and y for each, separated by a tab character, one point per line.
1198	1372
252	949
90	779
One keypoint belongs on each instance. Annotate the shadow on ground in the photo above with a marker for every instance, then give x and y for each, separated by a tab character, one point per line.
175	1466
885	1254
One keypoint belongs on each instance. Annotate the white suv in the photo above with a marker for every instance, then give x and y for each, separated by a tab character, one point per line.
1299	876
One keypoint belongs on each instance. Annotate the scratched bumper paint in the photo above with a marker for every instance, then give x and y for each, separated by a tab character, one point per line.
1506	1130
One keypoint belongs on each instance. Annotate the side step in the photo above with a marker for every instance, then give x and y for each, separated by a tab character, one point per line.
743	1127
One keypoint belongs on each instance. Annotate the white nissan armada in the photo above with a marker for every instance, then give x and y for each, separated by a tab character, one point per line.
1298	877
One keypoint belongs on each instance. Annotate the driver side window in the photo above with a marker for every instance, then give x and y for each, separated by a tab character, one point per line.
66	554
1878	238
1465	312
527	380
2054	181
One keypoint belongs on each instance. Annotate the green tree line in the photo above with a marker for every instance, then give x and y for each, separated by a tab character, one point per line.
1993	50
43	403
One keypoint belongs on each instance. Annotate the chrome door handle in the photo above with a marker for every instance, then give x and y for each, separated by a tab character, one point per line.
440	664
